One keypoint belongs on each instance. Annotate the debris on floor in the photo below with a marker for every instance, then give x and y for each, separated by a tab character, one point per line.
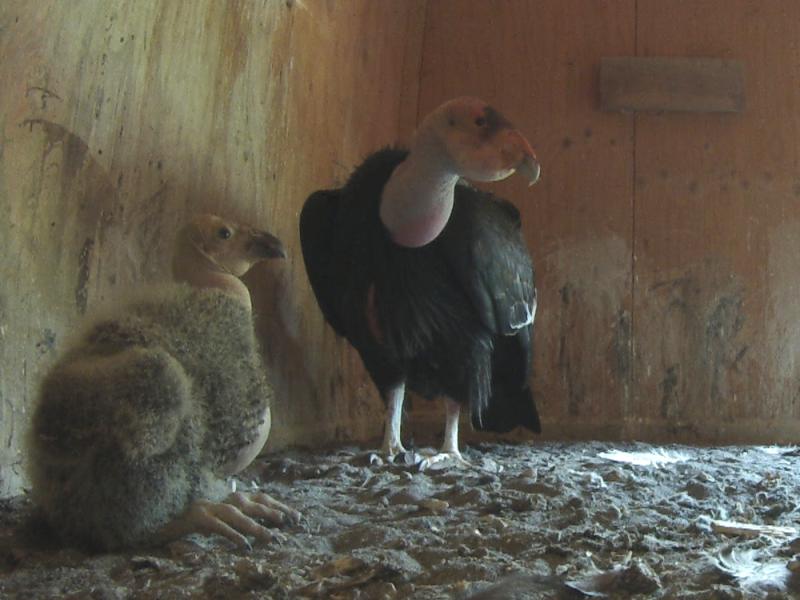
542	520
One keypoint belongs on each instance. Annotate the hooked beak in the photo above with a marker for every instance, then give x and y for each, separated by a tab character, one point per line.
265	245
530	169
521	156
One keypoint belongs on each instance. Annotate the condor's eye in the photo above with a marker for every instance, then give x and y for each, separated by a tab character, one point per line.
224	233
480	121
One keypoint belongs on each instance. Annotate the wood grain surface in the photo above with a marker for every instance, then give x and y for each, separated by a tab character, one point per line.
666	245
121	119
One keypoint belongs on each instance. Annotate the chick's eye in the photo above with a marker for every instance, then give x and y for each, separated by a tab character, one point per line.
480	121
224	233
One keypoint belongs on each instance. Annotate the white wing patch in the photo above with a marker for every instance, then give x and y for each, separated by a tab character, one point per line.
522	314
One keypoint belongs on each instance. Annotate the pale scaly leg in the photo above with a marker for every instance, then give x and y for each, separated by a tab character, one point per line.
234	519
449	451
392	445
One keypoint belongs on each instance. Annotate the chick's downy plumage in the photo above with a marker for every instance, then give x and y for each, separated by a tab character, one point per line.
155	403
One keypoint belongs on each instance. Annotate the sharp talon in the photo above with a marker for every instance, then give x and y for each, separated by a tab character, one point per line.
453	459
290	519
410	458
407	458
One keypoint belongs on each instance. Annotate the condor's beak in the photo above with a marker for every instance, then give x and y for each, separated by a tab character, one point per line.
265	245
519	153
530	169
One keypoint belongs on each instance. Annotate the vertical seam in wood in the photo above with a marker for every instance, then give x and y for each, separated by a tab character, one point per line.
426	8
633	332
413	57
632	381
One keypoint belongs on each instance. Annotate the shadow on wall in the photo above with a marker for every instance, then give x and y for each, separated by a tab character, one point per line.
75	205
77	237
313	406
700	343
284	355
60	205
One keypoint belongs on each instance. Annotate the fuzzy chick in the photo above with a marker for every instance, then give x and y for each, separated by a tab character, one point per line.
159	400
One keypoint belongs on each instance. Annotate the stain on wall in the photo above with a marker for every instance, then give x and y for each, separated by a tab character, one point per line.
695	321
715	206
783	318
588	356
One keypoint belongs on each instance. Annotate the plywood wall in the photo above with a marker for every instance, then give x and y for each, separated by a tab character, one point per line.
666	245
120	119
538	63
717	318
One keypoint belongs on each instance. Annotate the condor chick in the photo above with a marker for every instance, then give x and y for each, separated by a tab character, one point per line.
159	400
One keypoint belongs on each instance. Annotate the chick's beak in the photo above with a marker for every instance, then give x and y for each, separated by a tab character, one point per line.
265	245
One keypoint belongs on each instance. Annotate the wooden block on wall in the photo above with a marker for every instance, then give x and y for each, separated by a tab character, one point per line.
655	84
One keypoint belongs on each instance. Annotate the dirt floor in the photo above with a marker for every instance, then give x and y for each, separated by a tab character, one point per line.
527	521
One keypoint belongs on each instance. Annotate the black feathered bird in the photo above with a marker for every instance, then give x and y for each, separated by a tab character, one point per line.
429	278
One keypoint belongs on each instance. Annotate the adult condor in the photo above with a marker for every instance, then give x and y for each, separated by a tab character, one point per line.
428	277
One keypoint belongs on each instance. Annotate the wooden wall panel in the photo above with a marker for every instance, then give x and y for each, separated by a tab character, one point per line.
538	63
120	119
666	245
716	315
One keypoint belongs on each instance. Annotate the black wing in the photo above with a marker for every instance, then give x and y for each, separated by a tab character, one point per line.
487	252
317	231
485	247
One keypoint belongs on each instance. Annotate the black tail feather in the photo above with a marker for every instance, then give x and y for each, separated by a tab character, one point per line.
511	402
507	410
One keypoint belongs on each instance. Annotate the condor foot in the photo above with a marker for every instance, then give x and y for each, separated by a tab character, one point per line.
443	460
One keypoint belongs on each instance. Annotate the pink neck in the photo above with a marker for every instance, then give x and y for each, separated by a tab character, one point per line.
418	198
